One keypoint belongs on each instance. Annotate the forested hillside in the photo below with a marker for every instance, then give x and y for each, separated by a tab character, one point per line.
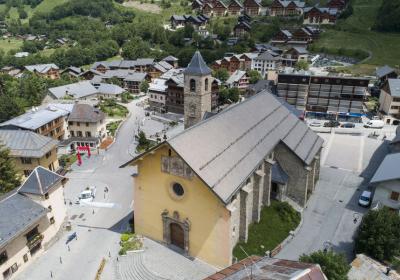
388	16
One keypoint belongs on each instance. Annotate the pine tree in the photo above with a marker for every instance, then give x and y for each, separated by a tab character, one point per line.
9	178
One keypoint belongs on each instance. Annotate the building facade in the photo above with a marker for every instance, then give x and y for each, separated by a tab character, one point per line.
323	94
87	126
202	200
389	101
29	150
30	218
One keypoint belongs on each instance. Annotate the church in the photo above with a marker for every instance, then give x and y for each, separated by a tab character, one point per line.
199	191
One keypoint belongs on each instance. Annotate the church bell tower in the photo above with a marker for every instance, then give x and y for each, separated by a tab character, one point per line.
197	90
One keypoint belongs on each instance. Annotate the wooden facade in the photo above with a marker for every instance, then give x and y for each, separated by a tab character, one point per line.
251	7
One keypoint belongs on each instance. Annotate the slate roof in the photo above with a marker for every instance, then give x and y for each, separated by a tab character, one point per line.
18	213
388	170
40	181
265	268
267	56
287	33
136	77
41	68
158	85
301	50
85	113
278	175
170	58
236	76
383	71
76	90
299	4
394	87
231	145
35	118
110	89
197	66
25	143
322	10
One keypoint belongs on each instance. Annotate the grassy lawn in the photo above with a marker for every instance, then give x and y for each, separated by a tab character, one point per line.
112	127
113	109
276	222
10	44
356	32
47	5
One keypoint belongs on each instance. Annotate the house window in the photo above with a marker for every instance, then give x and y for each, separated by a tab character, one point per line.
87	124
48	154
27	172
50	208
88	134
25	160
32	234
78	123
70	123
3	257
72	133
14	267
394	196
79	133
7	274
248	181
46	196
192	85
206	84
52	221
25	257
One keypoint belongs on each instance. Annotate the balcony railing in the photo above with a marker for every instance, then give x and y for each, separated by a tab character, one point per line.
35	240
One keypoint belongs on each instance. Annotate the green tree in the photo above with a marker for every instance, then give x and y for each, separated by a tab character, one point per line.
221	74
302	65
136	48
144	86
9	178
9	107
333	265
379	235
254	76
143	142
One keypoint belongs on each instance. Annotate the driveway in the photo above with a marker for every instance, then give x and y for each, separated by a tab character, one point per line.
348	162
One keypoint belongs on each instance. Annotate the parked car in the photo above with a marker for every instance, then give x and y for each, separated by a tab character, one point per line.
365	199
87	195
374	124
332	123
348	125
316	123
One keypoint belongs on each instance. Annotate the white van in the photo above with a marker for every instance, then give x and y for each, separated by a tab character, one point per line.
365	199
374	124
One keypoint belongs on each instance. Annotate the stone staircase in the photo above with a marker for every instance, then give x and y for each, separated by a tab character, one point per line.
131	267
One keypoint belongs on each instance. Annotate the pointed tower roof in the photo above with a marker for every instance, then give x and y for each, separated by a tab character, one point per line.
197	66
40	181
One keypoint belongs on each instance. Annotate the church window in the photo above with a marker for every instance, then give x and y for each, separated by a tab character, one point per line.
192	85
206	84
178	189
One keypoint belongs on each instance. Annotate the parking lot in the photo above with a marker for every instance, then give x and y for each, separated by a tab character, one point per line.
348	162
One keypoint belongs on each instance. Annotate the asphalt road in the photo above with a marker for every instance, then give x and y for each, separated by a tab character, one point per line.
98	228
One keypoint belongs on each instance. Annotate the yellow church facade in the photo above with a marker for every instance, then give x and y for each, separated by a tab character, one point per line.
178	208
